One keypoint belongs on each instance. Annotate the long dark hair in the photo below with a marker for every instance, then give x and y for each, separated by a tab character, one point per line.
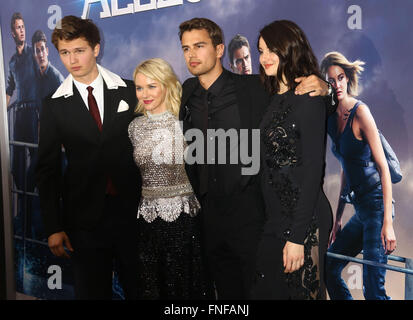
290	44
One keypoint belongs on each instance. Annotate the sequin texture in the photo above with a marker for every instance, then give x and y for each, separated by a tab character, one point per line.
169	254
280	139
305	282
158	151
281	149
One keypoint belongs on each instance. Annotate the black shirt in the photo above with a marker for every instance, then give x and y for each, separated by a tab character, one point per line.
213	109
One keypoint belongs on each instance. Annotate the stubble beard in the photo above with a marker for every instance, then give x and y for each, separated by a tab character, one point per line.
202	71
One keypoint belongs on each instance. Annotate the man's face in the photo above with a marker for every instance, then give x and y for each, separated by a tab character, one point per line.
241	62
41	53
79	58
19	32
200	54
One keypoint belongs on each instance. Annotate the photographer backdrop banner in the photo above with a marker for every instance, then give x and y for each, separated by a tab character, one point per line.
374	31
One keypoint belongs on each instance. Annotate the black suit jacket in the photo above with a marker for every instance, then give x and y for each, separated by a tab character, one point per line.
92	157
252	101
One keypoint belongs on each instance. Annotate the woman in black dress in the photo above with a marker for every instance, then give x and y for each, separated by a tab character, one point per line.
293	138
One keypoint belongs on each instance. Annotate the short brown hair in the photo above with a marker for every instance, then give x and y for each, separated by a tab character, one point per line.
214	31
72	27
236	43
297	59
14	17
37	37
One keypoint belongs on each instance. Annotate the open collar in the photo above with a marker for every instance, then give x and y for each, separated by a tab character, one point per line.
112	80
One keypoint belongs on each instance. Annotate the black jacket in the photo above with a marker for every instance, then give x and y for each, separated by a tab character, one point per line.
92	157
252	101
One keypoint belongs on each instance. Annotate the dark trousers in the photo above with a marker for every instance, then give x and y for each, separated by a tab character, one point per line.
112	243
231	230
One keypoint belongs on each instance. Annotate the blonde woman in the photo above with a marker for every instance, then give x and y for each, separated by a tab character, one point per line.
357	145
170	264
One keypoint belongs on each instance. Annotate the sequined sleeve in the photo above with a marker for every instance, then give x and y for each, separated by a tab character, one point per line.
158	145
294	142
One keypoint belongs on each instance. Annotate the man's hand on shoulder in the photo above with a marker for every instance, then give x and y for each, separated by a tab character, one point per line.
57	241
312	85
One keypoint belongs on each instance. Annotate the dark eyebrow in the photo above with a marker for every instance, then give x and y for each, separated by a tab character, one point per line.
78	48
195	44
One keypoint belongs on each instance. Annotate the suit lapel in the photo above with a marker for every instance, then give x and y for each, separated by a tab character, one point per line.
184	111
109	97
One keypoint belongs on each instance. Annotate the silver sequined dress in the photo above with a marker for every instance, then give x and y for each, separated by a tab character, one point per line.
169	252
158	151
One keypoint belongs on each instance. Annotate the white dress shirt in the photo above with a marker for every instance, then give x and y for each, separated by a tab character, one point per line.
97	86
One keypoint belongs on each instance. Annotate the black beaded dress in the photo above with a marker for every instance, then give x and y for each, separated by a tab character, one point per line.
169	254
293	139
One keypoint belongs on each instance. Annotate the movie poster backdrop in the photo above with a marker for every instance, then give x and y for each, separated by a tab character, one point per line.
374	31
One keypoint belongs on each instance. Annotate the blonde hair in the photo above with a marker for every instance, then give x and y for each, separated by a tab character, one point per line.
159	70
351	69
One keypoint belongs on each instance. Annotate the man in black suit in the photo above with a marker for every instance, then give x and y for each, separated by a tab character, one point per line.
232	206
89	115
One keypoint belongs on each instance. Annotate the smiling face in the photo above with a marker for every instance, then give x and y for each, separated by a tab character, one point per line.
268	59
241	63
201	56
150	94
19	32
338	79
79	58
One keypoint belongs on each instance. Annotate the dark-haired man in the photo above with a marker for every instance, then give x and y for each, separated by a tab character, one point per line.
239	54
21	65
21	78
48	77
47	80
89	115
233	212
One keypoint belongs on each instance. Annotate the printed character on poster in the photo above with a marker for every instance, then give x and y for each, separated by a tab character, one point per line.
21	80
239	54
48	79
365	182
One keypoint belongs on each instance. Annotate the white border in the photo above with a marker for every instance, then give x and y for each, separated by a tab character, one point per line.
6	184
